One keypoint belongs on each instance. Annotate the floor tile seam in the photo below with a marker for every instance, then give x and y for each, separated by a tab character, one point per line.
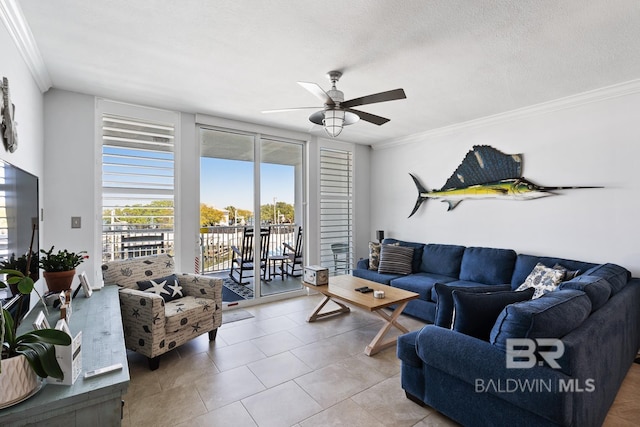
244	364
287	380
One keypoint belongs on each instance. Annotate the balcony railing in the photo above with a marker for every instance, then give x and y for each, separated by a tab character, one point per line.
215	244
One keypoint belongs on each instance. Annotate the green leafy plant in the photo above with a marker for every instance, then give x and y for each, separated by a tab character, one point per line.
62	260
20	263
37	346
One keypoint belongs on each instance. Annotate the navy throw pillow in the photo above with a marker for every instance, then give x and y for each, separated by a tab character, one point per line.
444	304
476	313
167	287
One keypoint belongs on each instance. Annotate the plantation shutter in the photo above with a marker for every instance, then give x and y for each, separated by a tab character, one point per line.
137	187
336	210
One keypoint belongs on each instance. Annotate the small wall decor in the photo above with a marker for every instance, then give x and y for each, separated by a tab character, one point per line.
486	173
9	131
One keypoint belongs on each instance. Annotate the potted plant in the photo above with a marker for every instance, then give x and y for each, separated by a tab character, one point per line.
20	264
27	356
60	268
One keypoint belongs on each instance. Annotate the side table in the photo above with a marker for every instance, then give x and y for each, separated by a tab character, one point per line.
272	264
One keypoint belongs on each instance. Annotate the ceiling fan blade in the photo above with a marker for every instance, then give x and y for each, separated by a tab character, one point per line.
389	95
367	117
284	110
318	92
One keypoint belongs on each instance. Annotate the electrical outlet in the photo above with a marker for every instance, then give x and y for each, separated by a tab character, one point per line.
76	222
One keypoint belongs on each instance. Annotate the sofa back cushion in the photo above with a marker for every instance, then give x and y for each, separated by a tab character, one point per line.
526	263
597	289
442	259
614	274
128	272
487	265
553	315
417	251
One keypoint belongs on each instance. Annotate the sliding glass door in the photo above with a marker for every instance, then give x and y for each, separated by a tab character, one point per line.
250	212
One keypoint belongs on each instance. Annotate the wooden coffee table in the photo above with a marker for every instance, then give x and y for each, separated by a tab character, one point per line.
343	288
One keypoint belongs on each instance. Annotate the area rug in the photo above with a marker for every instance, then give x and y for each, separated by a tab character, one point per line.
235	315
231	291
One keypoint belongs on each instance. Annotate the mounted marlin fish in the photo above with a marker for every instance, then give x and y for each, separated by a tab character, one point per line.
486	173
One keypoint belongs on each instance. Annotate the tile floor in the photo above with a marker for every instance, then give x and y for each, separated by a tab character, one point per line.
276	369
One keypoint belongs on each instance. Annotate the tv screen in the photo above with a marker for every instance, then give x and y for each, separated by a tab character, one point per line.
18	211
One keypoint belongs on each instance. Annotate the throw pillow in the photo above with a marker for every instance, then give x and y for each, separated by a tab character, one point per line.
374	255
444	304
543	279
395	259
568	274
476	313
167	287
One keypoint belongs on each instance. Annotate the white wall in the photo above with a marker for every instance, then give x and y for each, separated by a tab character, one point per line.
596	143
27	98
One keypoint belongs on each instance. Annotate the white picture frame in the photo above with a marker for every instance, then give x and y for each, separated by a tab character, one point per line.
86	287
41	322
62	325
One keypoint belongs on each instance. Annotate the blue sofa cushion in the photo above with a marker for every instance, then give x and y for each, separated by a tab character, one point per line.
374	276
442	259
420	283
525	263
417	251
487	265
616	276
444	298
395	259
551	316
597	289
476	313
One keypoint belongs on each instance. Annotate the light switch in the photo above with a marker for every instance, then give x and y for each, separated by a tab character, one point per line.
76	222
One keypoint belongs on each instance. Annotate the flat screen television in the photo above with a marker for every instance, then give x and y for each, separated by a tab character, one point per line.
18	211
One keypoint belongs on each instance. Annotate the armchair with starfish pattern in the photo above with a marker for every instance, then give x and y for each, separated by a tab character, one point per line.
160	311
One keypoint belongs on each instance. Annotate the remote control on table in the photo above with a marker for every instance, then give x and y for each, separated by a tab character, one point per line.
366	291
106	369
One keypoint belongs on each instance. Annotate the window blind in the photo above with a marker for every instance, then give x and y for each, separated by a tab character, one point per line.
137	187
336	210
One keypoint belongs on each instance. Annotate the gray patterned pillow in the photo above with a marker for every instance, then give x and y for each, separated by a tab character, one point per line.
395	259
568	274
543	279
374	254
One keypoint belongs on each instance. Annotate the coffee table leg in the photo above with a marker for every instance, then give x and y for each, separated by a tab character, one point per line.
317	315
377	344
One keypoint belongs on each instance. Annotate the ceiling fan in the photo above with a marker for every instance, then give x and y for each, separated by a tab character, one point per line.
337	112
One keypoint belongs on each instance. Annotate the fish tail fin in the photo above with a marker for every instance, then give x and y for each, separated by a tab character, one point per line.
421	190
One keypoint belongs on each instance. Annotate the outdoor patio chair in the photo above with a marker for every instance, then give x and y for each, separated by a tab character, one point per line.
340	256
294	254
243	257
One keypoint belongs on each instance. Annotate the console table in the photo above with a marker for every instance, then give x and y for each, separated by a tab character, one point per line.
92	402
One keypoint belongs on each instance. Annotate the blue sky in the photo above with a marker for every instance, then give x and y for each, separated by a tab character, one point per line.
230	182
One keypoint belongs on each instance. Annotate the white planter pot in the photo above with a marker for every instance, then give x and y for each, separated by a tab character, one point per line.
17	381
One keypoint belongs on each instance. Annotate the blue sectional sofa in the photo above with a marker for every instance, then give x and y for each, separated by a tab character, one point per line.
591	324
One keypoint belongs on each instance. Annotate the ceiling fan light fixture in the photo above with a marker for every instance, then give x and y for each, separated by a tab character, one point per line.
333	121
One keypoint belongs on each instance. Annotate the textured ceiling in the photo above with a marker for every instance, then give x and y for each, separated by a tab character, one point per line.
457	60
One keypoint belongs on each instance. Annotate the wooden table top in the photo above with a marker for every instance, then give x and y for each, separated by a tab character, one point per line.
343	288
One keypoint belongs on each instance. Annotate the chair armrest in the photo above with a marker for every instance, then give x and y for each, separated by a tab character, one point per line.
199	286
236	251
136	305
287	246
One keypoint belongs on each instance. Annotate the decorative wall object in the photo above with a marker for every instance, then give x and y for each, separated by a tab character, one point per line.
9	131
486	173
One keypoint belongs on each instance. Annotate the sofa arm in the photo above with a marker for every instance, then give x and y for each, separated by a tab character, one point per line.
363	264
138	306
483	367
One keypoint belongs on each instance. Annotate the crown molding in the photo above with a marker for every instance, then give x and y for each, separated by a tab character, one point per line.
592	96
13	19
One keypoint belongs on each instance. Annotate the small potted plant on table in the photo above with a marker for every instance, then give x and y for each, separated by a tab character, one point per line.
60	268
